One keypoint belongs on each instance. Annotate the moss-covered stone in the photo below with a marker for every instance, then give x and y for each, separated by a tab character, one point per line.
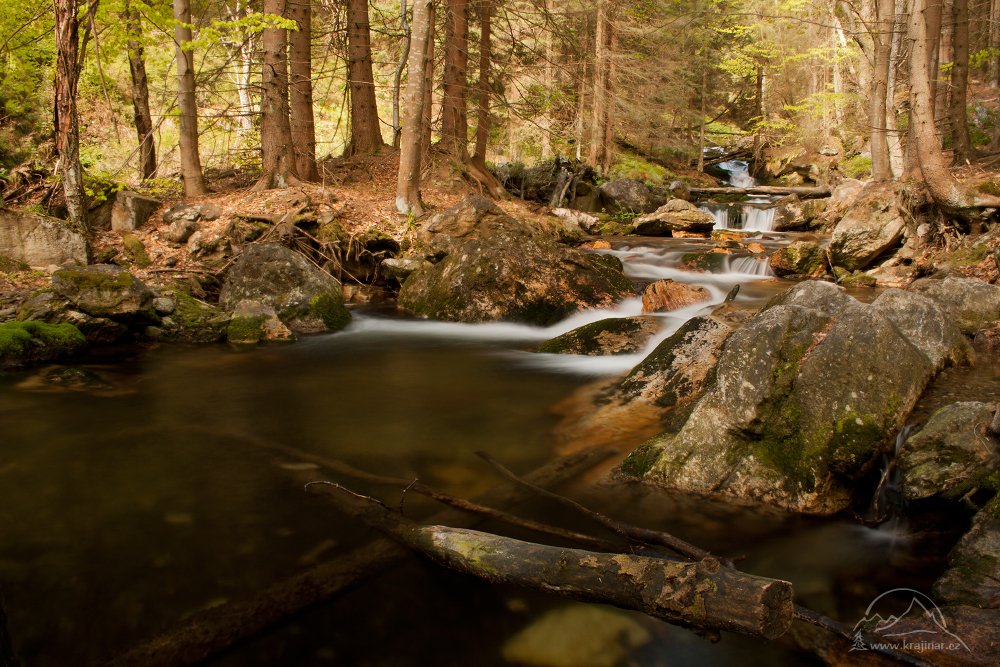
193	321
136	250
614	335
802	258
615	228
103	290
24	343
973	577
706	262
246	330
330	308
641	460
858	279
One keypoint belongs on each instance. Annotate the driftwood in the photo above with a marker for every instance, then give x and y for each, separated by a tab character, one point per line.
7	656
701	594
805	192
216	630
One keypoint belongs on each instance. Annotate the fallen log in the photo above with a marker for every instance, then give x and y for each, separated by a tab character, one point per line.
213	631
699	594
805	192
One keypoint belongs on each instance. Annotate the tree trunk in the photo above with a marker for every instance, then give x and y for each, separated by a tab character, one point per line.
600	147
67	127
548	86
277	155
959	84
191	174
701	132
454	118
366	132
408	182
241	54
483	103
428	118
140	92
397	78
896	155
943	59
300	109
881	168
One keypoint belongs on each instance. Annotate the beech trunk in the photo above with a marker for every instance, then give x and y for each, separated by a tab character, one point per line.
408	181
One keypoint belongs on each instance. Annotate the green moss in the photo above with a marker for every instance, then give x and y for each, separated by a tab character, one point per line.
970	256
95	279
857	166
615	228
610	268
330	309
642	460
630	165
858	279
990	187
22	342
8	265
586	339
246	329
136	250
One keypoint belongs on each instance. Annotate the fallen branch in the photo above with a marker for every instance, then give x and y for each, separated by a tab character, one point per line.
215	630
805	192
700	594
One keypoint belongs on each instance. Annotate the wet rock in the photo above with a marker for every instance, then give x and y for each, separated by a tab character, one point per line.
666	295
951	454
400	268
252	322
972	303
576	635
873	225
181	230
306	299
31	342
676	215
501	269
801	258
104	290
39	240
804	401
926	325
614	335
973	577
795	215
705	262
630	195
131	210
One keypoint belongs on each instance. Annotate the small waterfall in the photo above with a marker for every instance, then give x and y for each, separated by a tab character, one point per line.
739	173
752	265
720	213
758	219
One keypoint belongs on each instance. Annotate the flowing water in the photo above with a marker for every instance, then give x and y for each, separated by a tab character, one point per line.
137	487
756	214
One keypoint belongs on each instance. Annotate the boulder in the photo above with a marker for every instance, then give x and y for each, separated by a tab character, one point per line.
666	295
503	269
676	215
191	212
805	400
926	325
252	322
614	335
973	576
136	250
104	290
400	268
971	303
39	240
630	195
131	210
796	215
800	258
846	190
873	225
30	342
585	221
949	456
181	230
305	298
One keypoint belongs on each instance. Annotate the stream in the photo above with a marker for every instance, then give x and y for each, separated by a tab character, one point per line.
133	492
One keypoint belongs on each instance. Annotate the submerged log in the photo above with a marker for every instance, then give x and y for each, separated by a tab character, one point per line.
700	594
215	630
805	192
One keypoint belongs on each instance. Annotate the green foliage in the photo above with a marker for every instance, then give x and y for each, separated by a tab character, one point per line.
630	165
857	166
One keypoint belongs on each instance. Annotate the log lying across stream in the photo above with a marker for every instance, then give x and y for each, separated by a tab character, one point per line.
805	192
700	594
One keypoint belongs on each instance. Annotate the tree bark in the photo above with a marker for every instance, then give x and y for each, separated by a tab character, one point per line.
277	155
454	117
896	155
600	146
701	131
67	128
140	92
300	110
408	181
882	36
191	174
366	132
428	117
961	142
483	103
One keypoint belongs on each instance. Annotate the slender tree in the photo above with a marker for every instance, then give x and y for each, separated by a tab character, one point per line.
191	174
483	101
366	132
67	36
601	125
428	77
454	118
408	183
882	37
140	91
960	84
397	78
301	122
277	154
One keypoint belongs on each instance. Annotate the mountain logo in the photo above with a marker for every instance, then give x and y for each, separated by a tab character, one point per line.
921	626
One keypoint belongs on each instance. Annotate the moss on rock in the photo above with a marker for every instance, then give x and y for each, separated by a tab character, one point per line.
23	343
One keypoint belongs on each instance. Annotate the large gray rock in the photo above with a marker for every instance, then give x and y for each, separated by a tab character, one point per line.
498	268
614	335
949	454
304	297
870	228
630	195
972	303
796	214
925	324
973	578
804	401
39	240
676	215
104	290
131	210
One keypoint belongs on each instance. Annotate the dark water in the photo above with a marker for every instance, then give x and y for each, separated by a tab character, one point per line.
148	492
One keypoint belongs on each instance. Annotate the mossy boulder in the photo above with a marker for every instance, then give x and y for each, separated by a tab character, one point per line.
800	258
973	304
705	262
677	215
253	323
804	402
136	250
104	290
194	321
614	335
502	269
926	325
973	577
872	226
950	455
29	342
305	298
794	214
